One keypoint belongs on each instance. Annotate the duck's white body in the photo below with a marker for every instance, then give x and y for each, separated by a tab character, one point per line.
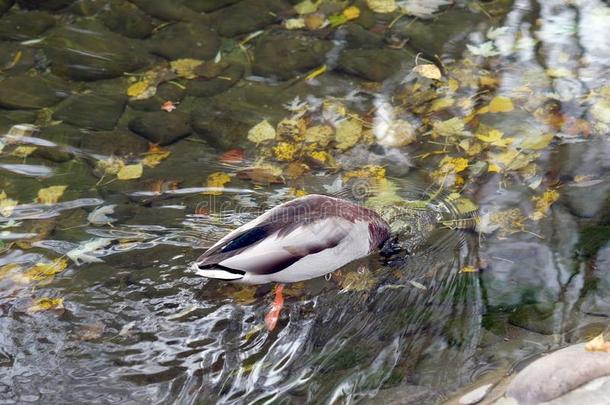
304	238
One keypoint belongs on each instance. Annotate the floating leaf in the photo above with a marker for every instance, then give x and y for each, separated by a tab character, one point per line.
468	269
543	204
284	151
348	133
486	49
351	12
185	68
263	131
320	134
306	7
598	344
294	23
233	156
99	216
495	138
217	180
450	127
155	155
42	271
315	21
23	151
337	20
7	205
429	71
130	172
537	142
382	6
46	303
500	104
372	172
83	253
50	195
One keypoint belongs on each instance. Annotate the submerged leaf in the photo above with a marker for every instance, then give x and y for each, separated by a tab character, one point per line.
543	204
348	133
42	271
46	303
381	6
263	131
99	216
83	253
217	180
50	195
7	205
500	104
429	71
130	172
185	67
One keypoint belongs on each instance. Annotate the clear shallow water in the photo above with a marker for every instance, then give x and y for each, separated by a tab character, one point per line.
138	327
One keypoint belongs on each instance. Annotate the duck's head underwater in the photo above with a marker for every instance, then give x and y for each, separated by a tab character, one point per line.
310	237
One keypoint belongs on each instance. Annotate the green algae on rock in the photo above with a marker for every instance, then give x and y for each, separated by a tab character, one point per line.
31	92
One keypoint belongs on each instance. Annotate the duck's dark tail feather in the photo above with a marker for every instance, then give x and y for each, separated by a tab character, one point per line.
219	272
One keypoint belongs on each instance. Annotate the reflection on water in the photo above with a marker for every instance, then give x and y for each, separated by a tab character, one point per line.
136	325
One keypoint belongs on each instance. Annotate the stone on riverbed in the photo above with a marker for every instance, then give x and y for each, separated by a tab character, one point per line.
165	92
356	37
246	16
557	374
167	10
283	54
206	6
91	111
31	92
88	51
185	40
161	127
15	58
24	26
126	19
44	4
375	64
5	5
118	143
217	85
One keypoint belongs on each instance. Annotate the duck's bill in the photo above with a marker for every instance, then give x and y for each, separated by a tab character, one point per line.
218	273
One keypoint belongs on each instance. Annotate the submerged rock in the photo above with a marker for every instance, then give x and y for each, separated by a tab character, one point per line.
90	52
161	127
185	40
15	58
206	6
217	85
246	16
118	143
5	5
557	374
165	92
126	19
91	111
8	118
375	64
284	54
167	10
30	92
44	4
357	37
24	26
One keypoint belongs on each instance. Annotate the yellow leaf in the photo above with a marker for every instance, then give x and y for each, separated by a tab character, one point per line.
42	271
110	166
217	180
323	157
284	151
351	13
441	104
316	73
320	134
495	138
7	205
23	151
543	204
185	67
494	168
263	131
130	172
450	127
294	23
7	268
500	104
50	195
381	6
306	7
537	142
298	192
154	157
366	172
142	89
347	134
468	269
598	344
429	71
45	304
453	164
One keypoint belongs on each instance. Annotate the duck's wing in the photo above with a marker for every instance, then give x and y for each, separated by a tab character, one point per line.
270	246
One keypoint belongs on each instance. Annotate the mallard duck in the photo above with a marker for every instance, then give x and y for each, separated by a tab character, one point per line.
304	238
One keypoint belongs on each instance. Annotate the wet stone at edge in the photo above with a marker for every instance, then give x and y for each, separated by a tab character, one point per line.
90	52
185	40
25	92
161	127
91	111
